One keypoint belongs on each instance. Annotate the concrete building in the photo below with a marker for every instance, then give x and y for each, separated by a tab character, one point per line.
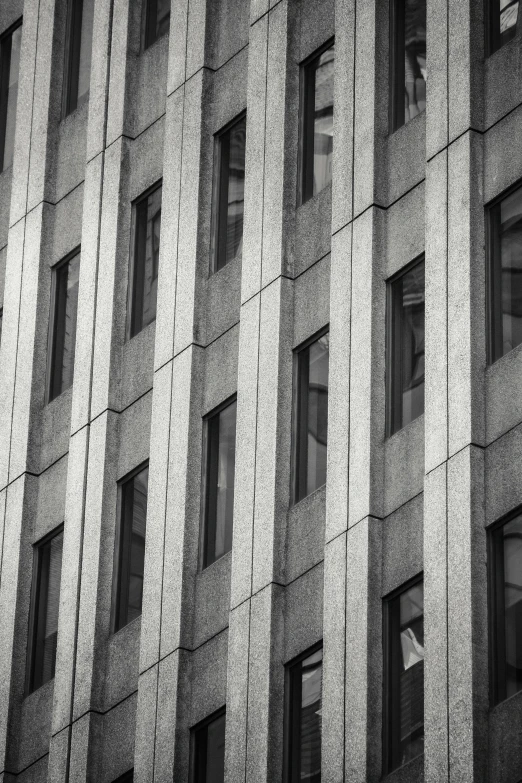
117	654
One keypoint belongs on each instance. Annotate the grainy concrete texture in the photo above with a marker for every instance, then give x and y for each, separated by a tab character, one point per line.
392	507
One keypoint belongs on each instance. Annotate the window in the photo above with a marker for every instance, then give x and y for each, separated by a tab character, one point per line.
45	603
317	122
9	66
408	60
506	604
146	231
311	416
305	679
127	777
505	274
219	480
208	750
404	676
503	20
156	22
229	194
405	373
131	547
62	343
78	54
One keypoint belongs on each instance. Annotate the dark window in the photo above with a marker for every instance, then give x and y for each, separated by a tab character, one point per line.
220	468
506	617
404	714
9	67
47	571
131	547
229	194
304	720
408	58
208	750
127	777
501	26
146	230
63	328
505	274
317	123
78	53
311	416
157	20
406	347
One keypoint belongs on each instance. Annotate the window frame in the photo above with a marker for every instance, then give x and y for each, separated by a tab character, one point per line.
220	194
53	318
292	706
133	265
496	608
119	569
390	680
206	483
494	337
34	609
194	730
305	168
299	430
71	71
4	84
492	36
393	328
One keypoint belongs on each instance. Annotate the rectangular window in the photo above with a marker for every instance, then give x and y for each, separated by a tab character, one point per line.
146	231
62	343
305	678
405	371
131	547
502	27
78	53
208	750
408	60
317	108
311	416
45	603
505	274
127	777
229	194
506	603
404	676
156	21
219	480
9	66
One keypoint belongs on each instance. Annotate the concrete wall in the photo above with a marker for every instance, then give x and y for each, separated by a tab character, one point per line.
392	507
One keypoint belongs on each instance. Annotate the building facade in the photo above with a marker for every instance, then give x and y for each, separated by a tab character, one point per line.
260	407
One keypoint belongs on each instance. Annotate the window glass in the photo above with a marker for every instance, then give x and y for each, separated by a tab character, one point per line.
79	53
506	274
209	751
318	124
409	66
132	547
230	193
147	233
312	417
45	611
508	638
406	359
503	20
305	720
157	21
221	460
66	279
406	677
9	68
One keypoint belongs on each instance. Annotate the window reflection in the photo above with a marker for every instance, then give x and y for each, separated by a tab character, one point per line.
147	217
305	719
506	271
230	190
131	565
221	460
318	124
312	417
209	751
406	677
409	67
406	370
9	68
157	20
79	53
66	280
503	19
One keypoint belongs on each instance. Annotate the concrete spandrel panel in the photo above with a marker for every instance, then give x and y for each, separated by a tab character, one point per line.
403	465
147	86
212	600
70	153
502	95
502	166
405	229
35	725
229	29
317	25
305	525
223	300
503	459
503	404
221	359
137	366
406	157
505	740
134	435
117	732
303	625
313	228
400	565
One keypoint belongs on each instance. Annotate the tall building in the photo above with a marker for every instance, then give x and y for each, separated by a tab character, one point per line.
260	391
